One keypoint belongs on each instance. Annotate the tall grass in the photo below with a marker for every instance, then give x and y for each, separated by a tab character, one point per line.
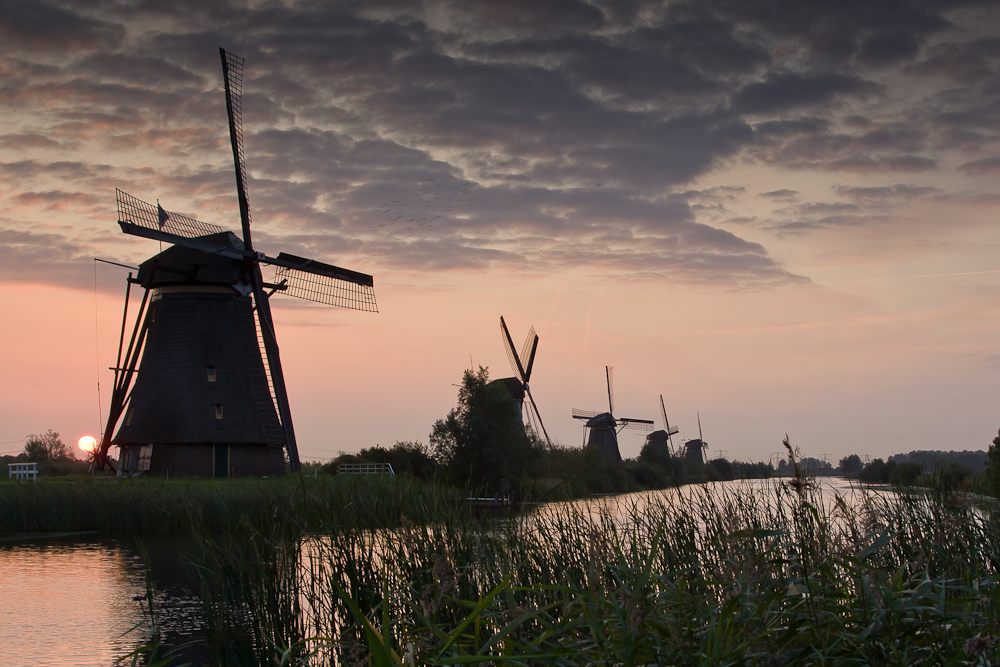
85	503
769	575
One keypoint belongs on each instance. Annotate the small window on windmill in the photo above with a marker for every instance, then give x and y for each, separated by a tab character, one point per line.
211	374
218	410
145	455
128	415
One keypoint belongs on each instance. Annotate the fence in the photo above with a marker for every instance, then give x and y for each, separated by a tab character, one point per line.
20	471
366	469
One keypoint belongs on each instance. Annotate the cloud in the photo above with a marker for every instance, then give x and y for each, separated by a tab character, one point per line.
886	193
36	24
989	165
449	136
781	195
786	91
865	163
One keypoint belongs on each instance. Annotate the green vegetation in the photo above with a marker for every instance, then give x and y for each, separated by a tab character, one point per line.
134	504
766	574
482	442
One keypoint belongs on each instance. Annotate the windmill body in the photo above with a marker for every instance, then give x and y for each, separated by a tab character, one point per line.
200	405
603	428
664	437
694	450
199	390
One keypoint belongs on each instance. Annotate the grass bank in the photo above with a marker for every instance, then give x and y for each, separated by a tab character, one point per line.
762	574
85	503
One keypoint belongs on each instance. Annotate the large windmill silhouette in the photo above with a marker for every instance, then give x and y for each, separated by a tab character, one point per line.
604	427
208	396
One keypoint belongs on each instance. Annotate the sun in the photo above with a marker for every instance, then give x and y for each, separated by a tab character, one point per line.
87	443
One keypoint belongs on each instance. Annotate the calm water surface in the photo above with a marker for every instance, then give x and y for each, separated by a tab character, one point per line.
71	600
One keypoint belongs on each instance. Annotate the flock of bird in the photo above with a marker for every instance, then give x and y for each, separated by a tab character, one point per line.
419	208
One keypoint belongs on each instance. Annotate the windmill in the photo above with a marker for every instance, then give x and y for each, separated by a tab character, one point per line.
209	397
665	435
522	364
604	427
695	449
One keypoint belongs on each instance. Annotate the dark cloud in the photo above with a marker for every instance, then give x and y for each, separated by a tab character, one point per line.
886	193
781	195
27	140
36	24
44	258
783	92
889	46
989	165
865	163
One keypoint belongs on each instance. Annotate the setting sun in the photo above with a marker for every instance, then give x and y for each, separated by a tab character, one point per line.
87	443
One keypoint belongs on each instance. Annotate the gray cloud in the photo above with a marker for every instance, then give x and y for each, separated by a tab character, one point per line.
467	136
990	165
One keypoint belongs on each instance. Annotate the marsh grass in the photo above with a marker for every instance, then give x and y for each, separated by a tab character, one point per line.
150	504
768	574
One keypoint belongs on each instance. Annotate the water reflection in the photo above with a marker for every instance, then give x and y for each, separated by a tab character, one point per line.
71	599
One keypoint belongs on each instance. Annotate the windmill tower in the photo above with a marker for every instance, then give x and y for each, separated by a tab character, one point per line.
522	364
208	396
604	427
694	450
664	436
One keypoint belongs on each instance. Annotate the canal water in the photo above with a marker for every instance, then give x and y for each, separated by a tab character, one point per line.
81	599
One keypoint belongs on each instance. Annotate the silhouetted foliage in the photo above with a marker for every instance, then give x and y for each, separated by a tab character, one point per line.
52	455
482	441
974	461
47	447
405	457
851	464
993	467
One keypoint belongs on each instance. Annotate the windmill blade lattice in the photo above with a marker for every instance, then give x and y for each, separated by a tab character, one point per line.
331	290
508	346
527	352
147	216
232	67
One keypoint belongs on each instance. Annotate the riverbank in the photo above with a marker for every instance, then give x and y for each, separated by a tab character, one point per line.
84	503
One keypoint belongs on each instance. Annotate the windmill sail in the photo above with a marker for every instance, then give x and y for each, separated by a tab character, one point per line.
522	364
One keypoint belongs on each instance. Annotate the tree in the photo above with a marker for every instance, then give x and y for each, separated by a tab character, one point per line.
47	447
851	465
993	465
482	440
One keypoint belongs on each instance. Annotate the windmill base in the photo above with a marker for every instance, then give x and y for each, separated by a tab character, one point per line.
200	460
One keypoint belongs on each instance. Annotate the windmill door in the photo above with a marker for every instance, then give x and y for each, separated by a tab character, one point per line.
221	460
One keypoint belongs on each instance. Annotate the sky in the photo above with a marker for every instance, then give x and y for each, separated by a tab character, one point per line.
779	216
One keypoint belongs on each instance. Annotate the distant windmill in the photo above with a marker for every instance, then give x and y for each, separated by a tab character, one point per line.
209	395
665	435
604	426
522	364
695	449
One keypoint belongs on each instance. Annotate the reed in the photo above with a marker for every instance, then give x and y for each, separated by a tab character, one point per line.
86	503
761	574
